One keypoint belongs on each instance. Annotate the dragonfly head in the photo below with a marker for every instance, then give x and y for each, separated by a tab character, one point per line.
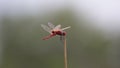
64	33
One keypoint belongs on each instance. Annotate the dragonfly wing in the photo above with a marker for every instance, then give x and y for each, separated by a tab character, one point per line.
51	25
65	28
46	28
58	27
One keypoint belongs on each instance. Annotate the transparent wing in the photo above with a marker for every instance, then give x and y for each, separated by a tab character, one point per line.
66	28
46	28
51	25
58	27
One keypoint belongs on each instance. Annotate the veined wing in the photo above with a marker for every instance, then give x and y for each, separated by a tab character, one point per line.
51	25
65	28
58	27
46	28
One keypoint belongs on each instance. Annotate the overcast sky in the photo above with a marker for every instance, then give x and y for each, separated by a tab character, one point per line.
102	13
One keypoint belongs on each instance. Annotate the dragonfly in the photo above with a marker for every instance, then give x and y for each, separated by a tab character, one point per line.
54	30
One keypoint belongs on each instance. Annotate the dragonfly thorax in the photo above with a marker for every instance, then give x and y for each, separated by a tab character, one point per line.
61	33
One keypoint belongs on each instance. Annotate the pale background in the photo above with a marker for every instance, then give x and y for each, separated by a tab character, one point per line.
92	41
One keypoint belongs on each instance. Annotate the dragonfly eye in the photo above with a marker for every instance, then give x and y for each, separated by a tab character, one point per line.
64	33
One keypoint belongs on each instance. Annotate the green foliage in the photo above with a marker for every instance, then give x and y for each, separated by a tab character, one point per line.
24	47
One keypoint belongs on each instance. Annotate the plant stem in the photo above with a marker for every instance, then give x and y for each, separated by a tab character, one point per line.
65	53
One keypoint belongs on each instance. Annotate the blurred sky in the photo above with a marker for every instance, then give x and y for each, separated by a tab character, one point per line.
104	14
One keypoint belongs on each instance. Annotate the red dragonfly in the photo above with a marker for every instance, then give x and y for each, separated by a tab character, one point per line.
54	30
